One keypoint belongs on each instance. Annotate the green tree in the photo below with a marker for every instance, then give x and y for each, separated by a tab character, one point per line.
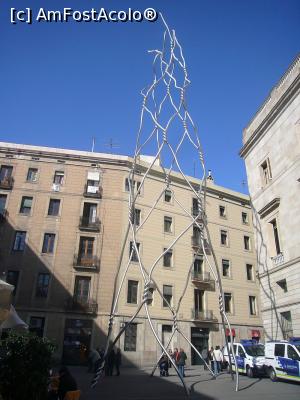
24	366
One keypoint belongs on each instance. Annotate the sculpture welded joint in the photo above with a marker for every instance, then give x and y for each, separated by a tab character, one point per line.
166	96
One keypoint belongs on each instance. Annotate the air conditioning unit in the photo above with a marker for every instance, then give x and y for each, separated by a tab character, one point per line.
56	187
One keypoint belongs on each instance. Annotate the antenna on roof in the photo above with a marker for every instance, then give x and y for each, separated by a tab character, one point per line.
112	145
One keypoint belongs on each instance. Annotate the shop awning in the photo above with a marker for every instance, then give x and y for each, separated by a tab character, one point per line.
255	333
228	332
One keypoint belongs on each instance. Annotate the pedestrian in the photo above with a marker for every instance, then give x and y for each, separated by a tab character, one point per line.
111	362
210	358
171	356
175	356
66	382
93	360
217	358
118	361
204	355
164	365
181	362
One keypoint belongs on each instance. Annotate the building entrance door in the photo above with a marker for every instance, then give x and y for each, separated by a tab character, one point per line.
77	341
199	338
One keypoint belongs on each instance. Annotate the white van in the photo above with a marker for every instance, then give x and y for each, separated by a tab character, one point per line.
283	359
250	357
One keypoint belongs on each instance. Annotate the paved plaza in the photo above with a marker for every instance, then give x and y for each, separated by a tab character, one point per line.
138	385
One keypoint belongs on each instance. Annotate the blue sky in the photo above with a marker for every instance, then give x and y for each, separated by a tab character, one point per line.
62	84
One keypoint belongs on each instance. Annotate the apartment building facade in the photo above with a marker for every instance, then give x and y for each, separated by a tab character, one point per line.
271	150
64	216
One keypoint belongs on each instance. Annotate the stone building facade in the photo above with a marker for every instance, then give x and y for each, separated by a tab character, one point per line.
64	215
271	150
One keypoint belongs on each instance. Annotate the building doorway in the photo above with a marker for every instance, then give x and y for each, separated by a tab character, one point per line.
77	341
199	338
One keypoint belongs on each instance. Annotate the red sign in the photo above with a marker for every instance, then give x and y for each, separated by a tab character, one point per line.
228	332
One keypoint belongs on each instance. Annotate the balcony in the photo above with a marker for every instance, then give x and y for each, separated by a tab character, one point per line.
203	278
7	183
88	224
3	215
197	245
86	262
82	305
205	316
278	260
92	191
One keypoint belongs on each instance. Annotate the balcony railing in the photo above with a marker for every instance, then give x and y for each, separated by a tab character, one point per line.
7	183
92	191
86	223
278	260
201	277
197	244
3	215
206	315
89	262
82	305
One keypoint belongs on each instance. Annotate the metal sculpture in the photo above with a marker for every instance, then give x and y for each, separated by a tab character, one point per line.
164	103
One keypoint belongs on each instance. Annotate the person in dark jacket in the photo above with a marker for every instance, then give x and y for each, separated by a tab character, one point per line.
111	362
66	383
118	361
181	362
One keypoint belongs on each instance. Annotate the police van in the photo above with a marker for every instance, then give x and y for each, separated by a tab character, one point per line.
250	357
282	359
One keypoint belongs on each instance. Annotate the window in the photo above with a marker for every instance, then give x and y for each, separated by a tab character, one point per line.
135	185
5	173
86	250
19	242
283	285
82	289
168	196
247	243
54	205
241	352
137	217
132	292
168	258
198	301
42	285
226	268
198	267
249	270
48	244
36	326
26	205
59	177
133	253
252	305
222	211
32	175
195	208
168	296
12	278
168	224
266	172
244	218
276	236
279	350
89	215
286	324
130	337
224	238
291	353
3	198
166	332
92	186
228	302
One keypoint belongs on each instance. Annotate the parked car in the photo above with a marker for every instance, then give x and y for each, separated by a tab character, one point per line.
283	359
250	357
